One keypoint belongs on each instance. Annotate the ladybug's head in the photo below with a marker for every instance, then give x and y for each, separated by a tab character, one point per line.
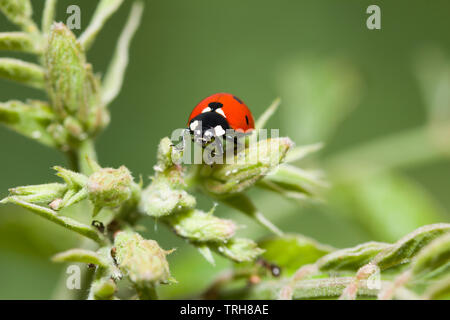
210	123
214	115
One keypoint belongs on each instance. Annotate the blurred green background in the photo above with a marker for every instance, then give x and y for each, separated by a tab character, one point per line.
370	96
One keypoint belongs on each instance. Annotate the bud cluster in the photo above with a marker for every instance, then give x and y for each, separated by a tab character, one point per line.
166	198
106	187
73	88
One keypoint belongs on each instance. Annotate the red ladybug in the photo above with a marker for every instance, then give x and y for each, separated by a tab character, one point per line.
219	112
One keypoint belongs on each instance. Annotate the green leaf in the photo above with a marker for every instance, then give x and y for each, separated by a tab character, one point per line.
387	205
199	226
31	119
17	41
409	246
292	251
243	203
308	289
105	9
300	152
73	179
239	250
317	95
115	74
351	259
65	222
80	255
262	120
434	257
293	182
432	68
48	15
26	73
440	290
43	193
206	252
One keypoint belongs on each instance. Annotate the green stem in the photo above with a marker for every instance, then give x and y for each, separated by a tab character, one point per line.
78	163
86	150
320	288
146	293
309	289
61	292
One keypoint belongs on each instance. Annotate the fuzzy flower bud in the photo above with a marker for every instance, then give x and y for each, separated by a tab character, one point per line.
240	250
110	187
164	154
73	88
143	261
160	199
199	226
103	289
249	166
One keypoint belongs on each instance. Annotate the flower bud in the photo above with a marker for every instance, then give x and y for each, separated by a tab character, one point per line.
250	165
143	261
73	88
110	187
43	193
240	250
103	289
164	154
167	155
161	199
199	226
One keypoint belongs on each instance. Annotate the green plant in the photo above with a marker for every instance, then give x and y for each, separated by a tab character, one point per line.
77	112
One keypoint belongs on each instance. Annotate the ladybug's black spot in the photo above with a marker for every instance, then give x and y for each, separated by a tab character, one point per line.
246	119
215	105
237	99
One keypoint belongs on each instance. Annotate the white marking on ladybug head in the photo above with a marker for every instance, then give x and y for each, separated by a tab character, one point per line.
193	125
208	133
218	130
207	109
220	111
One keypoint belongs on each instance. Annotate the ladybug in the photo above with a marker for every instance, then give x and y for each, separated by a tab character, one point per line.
216	114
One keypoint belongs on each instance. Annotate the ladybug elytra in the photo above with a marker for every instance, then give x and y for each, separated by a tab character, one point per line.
218	113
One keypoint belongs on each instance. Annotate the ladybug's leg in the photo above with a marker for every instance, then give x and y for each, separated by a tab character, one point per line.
217	142
181	146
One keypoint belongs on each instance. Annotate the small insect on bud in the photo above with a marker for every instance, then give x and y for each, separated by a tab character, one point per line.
110	187
143	261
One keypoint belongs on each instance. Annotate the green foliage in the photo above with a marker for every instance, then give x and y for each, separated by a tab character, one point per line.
366	270
292	251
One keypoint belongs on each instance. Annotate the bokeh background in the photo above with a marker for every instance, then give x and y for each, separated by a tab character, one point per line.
379	101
